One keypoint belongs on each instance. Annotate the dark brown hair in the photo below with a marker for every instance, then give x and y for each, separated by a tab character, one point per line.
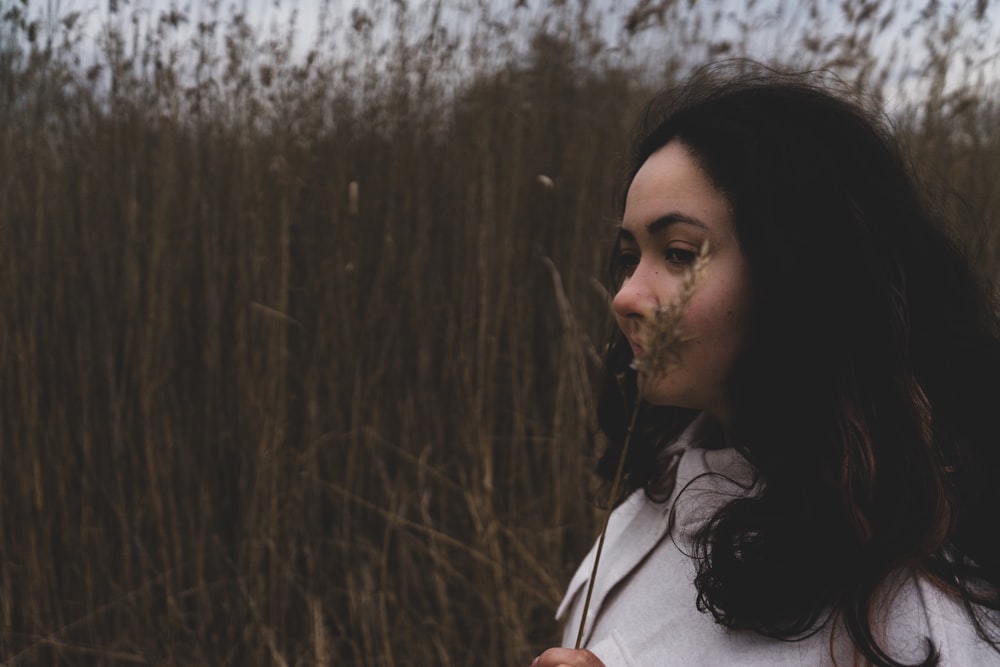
866	393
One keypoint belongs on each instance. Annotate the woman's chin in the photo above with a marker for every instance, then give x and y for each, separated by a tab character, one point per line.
651	392
663	394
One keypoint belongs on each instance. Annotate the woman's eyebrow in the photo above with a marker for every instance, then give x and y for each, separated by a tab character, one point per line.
662	223
673	218
625	235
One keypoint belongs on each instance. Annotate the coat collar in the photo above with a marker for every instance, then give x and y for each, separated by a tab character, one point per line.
638	525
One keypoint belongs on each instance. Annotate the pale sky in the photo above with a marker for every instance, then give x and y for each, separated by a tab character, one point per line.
775	26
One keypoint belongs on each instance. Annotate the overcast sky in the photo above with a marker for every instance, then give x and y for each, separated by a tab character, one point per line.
776	24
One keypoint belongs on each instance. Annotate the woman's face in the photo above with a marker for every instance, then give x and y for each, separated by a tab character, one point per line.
672	209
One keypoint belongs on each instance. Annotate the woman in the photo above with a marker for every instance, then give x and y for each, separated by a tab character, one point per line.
812	478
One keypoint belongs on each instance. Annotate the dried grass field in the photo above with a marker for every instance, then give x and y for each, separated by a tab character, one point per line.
298	342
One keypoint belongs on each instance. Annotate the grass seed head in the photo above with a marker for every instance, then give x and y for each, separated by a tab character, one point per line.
352	197
662	340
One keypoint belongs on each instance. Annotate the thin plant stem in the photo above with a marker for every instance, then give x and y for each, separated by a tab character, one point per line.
663	340
604	528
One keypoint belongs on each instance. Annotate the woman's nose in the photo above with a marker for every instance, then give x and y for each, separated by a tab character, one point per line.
634	299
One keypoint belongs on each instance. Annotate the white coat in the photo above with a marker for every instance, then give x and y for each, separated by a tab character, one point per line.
643	614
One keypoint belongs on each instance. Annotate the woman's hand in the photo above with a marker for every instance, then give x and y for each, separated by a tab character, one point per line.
567	657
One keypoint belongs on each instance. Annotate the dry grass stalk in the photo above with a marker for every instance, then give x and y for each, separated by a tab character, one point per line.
662	343
604	528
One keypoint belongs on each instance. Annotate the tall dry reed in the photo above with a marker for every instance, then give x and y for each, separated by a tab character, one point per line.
298	343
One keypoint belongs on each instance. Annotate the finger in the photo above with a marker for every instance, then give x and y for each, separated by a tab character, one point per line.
567	657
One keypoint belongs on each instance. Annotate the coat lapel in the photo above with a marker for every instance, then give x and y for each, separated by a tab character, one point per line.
634	530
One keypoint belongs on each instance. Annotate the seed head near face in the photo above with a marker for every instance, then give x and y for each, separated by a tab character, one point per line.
663	338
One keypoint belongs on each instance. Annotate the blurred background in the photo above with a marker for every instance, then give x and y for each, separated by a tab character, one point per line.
301	305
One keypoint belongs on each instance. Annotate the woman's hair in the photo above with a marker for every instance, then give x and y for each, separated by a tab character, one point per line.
866	393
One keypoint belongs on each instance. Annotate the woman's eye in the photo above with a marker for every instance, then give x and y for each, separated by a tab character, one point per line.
627	261
683	256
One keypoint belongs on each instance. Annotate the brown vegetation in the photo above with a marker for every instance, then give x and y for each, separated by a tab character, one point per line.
297	349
